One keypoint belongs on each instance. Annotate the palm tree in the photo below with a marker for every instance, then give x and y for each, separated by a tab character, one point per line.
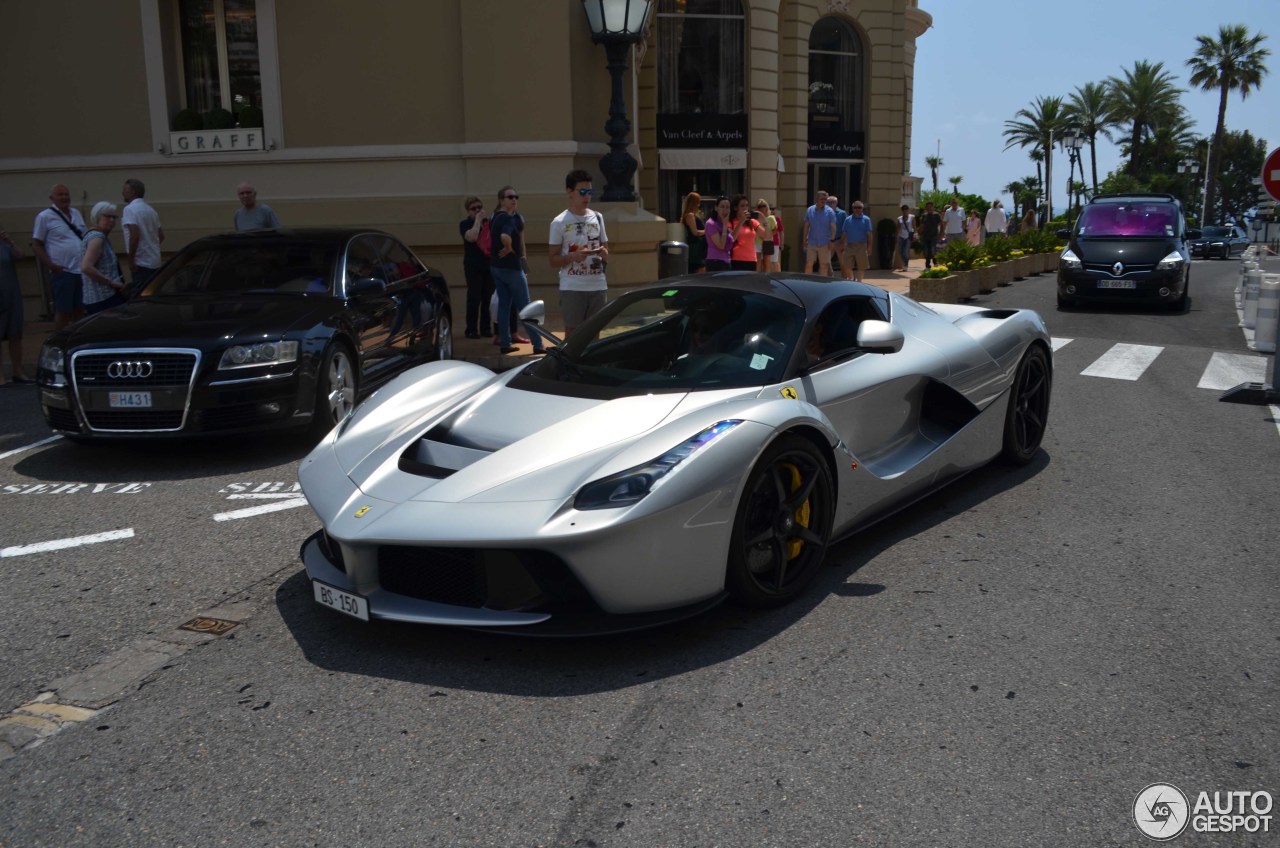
1087	111
934	163
1036	128
1145	98
1233	62
955	184
1016	189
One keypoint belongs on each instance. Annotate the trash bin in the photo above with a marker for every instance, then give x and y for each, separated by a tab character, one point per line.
673	259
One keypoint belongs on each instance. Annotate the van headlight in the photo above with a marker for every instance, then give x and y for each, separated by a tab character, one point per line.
264	353
1172	262
1069	261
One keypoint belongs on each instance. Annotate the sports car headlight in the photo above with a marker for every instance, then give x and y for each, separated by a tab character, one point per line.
265	353
630	486
1172	262
1069	260
53	359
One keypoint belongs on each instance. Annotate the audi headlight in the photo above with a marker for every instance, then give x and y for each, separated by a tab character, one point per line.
264	353
1069	261
53	359
1172	262
630	486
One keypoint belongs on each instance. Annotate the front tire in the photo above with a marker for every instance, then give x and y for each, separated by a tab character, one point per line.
444	338
1028	413
336	387
783	525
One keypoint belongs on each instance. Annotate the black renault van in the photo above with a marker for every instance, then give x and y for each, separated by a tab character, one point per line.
1127	248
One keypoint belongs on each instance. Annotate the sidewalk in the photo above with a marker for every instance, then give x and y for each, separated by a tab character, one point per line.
480	351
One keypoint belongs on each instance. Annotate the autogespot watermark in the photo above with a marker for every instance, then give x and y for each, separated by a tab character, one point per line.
1162	812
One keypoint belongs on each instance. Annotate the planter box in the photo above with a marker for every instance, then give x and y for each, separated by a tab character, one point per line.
941	290
1050	261
1022	267
969	283
987	278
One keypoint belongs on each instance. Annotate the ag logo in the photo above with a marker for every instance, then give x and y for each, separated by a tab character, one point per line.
1161	811
789	393
361	511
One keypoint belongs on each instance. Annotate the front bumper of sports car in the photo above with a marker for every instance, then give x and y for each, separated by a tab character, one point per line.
537	565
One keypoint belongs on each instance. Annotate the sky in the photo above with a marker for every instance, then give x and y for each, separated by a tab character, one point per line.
984	60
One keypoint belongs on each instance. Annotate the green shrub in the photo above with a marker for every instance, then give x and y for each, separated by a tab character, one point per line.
188	120
250	116
997	248
959	255
937	272
219	119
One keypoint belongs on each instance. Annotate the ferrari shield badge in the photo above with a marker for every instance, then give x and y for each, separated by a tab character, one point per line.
790	393
361	511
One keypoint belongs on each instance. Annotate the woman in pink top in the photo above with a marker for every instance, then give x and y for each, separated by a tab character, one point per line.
973	227
719	237
743	227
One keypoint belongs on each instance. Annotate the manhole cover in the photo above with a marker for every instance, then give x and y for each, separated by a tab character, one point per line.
213	626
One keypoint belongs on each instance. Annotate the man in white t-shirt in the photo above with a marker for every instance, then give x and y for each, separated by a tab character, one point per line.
953	221
142	233
996	220
579	249
55	237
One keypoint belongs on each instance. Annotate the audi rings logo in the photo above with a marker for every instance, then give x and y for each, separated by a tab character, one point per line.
1161	811
125	370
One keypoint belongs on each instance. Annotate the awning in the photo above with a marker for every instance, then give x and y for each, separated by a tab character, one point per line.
694	159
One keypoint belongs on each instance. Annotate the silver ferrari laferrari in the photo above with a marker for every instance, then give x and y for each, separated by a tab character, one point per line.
700	439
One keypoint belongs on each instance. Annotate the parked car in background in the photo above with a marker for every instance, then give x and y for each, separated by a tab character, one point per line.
248	331
1221	242
1127	248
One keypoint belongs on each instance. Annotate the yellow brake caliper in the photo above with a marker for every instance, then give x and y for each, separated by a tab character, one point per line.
802	514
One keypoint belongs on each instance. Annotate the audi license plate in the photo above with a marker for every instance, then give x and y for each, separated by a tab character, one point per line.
344	602
130	400
1117	284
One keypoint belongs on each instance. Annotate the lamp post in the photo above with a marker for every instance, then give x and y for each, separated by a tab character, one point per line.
1192	167
617	24
1071	143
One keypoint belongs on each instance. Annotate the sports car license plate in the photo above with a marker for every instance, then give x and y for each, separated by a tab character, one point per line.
1117	284
130	400
344	602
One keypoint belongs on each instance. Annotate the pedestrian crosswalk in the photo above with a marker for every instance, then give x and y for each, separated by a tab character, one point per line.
1122	361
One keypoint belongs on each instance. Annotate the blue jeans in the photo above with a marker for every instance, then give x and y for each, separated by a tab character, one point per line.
904	250
513	295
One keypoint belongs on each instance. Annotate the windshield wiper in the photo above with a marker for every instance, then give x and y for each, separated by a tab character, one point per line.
558	354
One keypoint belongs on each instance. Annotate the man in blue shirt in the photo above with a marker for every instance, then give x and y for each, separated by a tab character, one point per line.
837	247
819	233
855	237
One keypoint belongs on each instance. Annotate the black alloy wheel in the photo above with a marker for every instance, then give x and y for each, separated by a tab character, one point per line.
1028	413
783	525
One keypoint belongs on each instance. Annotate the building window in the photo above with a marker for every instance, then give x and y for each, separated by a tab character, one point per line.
220	64
835	75
701	57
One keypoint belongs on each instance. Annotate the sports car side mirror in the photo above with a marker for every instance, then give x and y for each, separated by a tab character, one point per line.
534	313
879	337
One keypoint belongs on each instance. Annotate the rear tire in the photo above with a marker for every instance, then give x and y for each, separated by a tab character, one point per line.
444	338
1028	413
783	525
337	384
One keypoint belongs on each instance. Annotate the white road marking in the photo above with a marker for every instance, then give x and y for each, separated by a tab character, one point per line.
1228	370
262	496
1059	344
293	503
1123	362
1275	415
60	544
8	454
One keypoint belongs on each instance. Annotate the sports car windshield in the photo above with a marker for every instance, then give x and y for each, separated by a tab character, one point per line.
680	339
263	268
1140	220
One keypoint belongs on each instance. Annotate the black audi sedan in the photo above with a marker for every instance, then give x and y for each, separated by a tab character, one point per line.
1127	248
1223	242
240	332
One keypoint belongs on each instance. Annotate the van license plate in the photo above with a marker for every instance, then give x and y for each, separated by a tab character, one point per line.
1117	284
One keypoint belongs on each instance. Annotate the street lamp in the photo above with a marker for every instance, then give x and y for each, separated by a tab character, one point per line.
1192	167
1071	143
617	24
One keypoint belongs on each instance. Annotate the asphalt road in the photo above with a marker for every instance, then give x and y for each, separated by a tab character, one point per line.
1007	663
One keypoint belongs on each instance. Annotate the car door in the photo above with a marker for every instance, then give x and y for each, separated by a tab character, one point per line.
416	304
372	308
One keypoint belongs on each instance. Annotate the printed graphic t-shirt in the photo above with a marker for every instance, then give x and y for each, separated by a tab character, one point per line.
580	232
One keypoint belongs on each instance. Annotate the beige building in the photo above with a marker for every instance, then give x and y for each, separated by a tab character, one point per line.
386	113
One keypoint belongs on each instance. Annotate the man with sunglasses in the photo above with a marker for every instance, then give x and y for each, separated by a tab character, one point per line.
579	250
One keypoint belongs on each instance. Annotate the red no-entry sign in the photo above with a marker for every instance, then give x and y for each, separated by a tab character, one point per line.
1271	174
